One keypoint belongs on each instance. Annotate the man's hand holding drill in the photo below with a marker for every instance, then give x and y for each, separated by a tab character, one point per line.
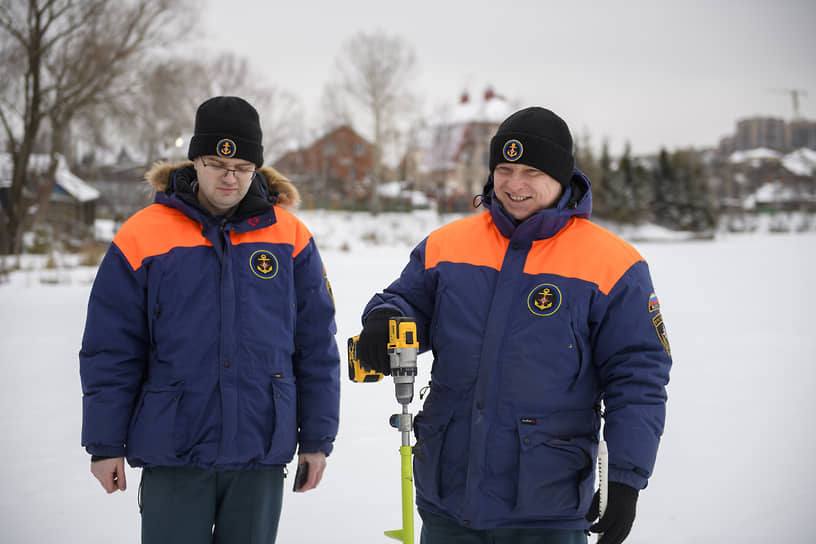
372	347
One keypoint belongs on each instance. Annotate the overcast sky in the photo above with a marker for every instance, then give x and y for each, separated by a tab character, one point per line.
650	72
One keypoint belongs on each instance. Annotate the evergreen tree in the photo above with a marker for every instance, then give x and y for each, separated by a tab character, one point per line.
695	208
682	195
587	163
601	199
624	192
641	190
622	187
662	188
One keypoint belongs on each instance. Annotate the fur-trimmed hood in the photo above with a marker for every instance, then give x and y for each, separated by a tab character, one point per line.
288	196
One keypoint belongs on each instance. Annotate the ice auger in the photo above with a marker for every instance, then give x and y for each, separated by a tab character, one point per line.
403	348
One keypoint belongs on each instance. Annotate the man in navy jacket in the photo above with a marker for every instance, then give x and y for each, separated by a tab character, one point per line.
536	318
209	354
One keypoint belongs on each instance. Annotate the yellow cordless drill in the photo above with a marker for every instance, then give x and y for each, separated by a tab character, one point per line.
403	347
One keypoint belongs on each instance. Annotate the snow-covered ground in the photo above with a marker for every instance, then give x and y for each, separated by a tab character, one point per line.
736	462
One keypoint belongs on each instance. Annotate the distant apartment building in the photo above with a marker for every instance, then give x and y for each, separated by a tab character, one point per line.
335	166
767	132
801	134
770	133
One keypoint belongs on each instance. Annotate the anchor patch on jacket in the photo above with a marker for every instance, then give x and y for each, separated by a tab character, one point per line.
263	264
544	300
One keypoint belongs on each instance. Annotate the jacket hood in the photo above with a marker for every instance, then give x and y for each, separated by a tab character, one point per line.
288	196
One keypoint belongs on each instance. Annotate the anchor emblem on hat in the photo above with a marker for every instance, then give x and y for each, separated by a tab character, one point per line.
512	150
226	148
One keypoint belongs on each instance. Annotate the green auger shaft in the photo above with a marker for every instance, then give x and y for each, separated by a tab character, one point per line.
406	534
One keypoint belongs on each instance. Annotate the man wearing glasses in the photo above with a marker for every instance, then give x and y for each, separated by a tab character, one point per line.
209	355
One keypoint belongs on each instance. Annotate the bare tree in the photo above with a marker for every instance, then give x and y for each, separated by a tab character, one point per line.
280	111
333	108
374	73
172	90
76	56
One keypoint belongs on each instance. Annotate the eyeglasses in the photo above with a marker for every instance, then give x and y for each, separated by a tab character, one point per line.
243	175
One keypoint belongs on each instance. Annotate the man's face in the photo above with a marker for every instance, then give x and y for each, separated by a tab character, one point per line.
222	183
524	190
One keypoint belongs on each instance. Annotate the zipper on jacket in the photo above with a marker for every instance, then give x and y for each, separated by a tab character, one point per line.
222	227
577	346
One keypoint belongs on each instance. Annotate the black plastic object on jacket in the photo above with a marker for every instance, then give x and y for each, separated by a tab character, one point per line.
372	347
619	516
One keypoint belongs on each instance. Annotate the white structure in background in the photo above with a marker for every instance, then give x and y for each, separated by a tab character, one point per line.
452	155
786	200
398	190
754	157
801	162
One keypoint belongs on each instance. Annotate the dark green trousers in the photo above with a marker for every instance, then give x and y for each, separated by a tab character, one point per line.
183	505
441	530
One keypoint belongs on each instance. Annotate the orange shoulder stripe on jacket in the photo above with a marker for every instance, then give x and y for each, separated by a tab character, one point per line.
472	240
585	251
155	230
287	229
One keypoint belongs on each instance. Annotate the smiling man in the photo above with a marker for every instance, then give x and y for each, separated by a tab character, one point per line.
209	356
535	316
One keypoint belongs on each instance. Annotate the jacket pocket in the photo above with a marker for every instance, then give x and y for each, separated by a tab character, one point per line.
151	438
576	345
281	438
431	432
556	475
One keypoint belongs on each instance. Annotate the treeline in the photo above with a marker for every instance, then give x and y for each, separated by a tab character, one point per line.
671	189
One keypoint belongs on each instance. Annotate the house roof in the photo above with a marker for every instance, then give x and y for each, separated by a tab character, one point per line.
801	162
776	192
442	141
493	109
758	154
66	180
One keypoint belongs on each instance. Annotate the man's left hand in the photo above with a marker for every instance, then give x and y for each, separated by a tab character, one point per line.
317	464
619	516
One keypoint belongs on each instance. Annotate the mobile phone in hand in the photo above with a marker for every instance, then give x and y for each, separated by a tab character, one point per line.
301	476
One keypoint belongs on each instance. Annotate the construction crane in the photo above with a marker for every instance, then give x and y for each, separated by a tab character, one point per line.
794	94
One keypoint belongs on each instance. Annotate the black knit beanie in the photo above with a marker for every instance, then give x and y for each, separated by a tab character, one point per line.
229	127
536	137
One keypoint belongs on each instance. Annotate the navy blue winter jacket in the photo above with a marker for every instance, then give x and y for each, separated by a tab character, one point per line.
531	326
209	342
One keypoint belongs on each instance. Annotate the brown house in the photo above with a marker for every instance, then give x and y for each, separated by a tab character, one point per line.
335	167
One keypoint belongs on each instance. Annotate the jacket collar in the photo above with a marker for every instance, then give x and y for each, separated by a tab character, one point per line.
575	202
255	210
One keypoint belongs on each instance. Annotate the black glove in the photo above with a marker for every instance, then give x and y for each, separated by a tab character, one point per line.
372	347
619	516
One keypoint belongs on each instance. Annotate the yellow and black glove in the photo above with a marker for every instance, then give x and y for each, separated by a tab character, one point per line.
372	347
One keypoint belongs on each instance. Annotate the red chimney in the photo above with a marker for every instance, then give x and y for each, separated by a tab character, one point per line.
464	99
